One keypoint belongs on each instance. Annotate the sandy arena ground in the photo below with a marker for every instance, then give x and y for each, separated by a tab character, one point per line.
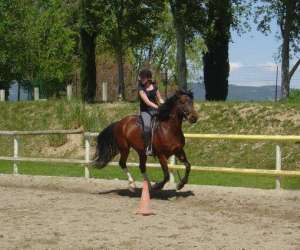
74	213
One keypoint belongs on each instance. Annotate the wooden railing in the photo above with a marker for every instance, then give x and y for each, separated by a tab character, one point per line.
277	172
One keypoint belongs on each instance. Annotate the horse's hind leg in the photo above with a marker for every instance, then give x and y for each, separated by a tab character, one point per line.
122	163
164	164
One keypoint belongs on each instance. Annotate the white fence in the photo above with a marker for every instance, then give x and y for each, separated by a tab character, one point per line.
69	92
277	172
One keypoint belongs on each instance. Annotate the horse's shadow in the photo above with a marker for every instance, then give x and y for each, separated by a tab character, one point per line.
155	194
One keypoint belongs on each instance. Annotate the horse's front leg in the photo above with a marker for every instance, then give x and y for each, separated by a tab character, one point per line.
142	166
182	157
164	164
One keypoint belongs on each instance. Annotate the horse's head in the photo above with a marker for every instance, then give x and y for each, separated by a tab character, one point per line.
185	104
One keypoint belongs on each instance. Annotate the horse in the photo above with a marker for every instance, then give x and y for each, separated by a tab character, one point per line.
167	139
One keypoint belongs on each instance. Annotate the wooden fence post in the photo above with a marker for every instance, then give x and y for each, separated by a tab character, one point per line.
36	94
16	152
278	166
104	91
2	95
69	92
87	157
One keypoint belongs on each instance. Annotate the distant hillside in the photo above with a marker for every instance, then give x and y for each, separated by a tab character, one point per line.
241	93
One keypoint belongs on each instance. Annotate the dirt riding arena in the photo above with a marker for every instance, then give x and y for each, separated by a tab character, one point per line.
74	213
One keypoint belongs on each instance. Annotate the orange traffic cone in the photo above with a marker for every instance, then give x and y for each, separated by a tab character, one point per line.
144	208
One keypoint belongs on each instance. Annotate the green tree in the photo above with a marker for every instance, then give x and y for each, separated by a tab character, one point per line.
13	39
52	58
215	59
132	23
179	10
287	15
92	21
159	51
187	17
36	42
218	18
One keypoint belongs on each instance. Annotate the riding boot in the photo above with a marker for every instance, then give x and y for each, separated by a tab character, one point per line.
147	141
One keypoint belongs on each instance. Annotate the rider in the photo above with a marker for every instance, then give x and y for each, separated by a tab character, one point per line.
149	97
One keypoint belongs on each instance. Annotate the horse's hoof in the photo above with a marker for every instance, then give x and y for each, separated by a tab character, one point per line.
132	187
158	186
180	186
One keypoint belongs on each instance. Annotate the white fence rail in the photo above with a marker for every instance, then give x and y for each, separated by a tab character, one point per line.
277	172
69	93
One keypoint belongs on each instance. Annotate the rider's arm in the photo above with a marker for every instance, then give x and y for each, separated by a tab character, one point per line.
146	100
161	101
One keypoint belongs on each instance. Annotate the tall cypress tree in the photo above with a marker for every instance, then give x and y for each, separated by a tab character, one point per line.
215	59
93	20
87	65
87	52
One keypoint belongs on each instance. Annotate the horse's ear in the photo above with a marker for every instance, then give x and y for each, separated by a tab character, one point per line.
190	94
179	92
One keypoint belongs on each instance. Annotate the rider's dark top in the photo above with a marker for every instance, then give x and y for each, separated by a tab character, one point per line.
151	94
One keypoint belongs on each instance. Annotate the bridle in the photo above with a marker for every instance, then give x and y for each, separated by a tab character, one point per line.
185	113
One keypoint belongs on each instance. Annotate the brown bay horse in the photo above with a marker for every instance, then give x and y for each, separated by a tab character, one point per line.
168	138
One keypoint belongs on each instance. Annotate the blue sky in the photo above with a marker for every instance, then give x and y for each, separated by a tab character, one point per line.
252	59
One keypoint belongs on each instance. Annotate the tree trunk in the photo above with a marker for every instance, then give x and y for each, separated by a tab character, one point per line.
121	83
88	66
285	57
181	68
19	90
294	68
215	60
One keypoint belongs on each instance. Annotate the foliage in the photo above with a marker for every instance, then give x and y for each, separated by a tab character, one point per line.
241	13
37	44
133	23
287	15
294	97
159	52
215	59
13	39
269	10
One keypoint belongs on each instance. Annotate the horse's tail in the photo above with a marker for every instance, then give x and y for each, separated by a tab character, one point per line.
106	147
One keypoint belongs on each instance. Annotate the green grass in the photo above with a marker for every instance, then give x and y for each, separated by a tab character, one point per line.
214	117
112	172
294	97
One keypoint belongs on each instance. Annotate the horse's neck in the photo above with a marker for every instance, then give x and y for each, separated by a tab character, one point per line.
175	120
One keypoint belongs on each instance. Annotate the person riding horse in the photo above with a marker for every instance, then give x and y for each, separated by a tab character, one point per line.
168	139
148	96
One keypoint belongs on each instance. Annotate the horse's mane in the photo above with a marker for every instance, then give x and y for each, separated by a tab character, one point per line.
165	109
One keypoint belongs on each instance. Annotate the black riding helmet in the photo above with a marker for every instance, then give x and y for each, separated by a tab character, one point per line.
145	73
